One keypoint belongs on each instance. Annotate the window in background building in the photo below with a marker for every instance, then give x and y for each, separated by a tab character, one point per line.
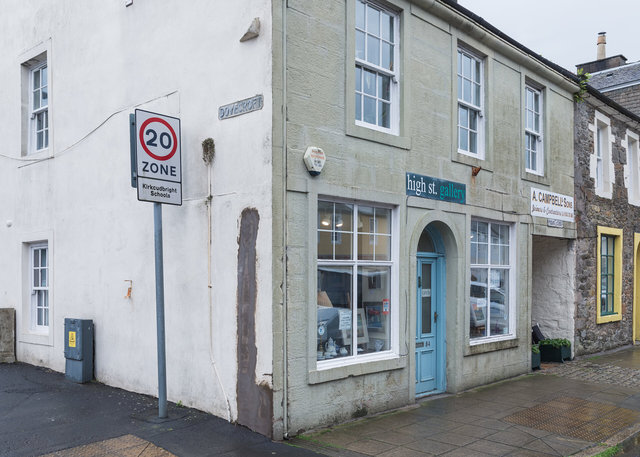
376	81
603	171
470	104
633	168
354	279
491	306
534	150
609	270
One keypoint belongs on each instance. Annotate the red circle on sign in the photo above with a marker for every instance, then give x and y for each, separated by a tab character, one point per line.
173	133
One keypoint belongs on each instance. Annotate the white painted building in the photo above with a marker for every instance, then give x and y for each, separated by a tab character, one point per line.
71	75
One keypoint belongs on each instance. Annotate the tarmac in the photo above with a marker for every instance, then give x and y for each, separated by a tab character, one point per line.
582	407
43	413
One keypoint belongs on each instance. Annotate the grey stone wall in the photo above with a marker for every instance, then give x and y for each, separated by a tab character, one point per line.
629	97
591	211
7	335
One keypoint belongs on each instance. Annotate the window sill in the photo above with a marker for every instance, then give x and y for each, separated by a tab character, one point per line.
491	345
377	136
535	177
358	367
472	160
42	338
615	317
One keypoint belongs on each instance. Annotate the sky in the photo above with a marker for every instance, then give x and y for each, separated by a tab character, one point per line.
566	31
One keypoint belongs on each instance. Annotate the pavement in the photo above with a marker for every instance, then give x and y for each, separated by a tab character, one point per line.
581	408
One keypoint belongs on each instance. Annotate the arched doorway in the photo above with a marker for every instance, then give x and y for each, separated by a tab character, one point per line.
430	313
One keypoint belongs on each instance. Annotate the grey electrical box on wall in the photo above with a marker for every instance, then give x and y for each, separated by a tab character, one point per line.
78	349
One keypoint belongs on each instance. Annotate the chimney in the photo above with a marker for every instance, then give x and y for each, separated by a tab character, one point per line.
602	62
602	42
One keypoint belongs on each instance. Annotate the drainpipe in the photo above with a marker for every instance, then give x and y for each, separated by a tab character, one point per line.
602	42
285	355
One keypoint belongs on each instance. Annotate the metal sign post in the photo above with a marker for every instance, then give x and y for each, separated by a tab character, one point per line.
156	156
162	362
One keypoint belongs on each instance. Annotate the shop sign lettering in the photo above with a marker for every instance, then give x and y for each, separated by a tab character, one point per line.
551	205
436	189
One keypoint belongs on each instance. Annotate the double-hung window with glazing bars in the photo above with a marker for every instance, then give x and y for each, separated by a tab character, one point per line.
39	286
40	107
490	280
354	279
600	148
470	104
607	274
533	131
376	66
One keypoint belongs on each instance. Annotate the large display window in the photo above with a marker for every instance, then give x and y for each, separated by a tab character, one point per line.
354	279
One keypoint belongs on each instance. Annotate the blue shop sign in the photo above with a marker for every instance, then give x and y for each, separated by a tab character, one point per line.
436	189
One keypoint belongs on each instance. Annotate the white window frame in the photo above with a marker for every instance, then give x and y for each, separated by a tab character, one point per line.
393	73
632	168
601	163
354	264
41	110
468	105
511	268
40	290
531	132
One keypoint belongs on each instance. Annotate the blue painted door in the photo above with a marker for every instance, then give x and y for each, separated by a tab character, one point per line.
428	353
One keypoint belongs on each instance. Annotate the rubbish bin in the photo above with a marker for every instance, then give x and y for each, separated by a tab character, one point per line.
78	349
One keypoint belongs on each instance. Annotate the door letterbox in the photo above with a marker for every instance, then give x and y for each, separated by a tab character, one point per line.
78	349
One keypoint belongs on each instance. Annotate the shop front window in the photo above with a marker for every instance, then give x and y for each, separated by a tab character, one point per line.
491	307
354	278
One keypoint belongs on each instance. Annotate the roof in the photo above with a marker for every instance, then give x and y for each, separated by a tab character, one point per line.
619	76
591	89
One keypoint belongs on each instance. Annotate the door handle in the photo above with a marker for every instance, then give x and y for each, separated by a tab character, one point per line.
435	316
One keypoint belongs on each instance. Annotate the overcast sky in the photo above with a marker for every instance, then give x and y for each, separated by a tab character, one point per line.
566	31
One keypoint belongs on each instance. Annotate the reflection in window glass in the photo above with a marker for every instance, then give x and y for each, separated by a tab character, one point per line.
353	273
489	280
375	74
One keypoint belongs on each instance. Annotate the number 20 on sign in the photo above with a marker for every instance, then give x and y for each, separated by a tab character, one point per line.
158	157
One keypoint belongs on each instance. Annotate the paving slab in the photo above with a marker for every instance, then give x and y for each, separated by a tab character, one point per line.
580	408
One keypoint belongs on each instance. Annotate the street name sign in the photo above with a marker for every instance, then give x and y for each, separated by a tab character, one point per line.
158	158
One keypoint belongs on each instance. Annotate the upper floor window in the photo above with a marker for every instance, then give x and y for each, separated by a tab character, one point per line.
534	152
602	169
376	80
470	104
39	106
633	169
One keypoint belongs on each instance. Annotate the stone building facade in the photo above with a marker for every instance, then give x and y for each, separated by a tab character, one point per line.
607	216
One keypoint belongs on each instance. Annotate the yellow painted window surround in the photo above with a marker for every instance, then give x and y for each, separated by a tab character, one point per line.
616	315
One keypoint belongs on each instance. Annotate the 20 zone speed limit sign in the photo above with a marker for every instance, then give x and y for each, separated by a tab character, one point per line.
158	157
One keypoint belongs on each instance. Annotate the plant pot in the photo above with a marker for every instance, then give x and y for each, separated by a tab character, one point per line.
535	361
549	353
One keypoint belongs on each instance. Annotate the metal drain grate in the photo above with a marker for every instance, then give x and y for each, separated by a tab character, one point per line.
577	418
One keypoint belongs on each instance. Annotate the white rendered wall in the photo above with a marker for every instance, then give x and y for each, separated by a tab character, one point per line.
552	287
182	59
